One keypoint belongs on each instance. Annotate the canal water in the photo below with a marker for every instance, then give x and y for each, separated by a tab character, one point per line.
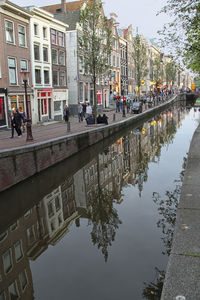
98	226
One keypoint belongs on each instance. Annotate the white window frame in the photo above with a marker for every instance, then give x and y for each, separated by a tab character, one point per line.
9	57
47	48
36	25
17	290
23	288
36	44
57	78
12	43
53	49
60	51
9	250
21	248
24	35
38	83
46	70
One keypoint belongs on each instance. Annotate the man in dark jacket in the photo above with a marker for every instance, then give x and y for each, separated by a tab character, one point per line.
17	121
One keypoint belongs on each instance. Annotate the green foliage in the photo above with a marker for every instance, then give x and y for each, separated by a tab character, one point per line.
140	59
183	33
170	71
157	68
95	41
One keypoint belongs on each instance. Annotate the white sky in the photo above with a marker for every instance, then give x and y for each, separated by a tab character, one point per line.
139	13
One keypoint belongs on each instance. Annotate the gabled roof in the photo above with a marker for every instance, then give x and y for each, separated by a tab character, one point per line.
69	6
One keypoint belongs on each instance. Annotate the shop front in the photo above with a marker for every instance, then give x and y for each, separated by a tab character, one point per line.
60	99
3	108
44	105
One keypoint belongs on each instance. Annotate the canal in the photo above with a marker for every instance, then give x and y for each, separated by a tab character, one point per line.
100	224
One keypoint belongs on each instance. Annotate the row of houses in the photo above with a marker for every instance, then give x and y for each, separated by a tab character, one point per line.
44	42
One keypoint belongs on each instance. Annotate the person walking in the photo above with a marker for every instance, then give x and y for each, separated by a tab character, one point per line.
12	124
66	113
88	110
128	106
23	114
80	112
17	121
84	109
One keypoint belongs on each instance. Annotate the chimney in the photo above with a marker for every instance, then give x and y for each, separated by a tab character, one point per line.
63	6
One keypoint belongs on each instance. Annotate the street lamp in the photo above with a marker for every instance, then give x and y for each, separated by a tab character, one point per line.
29	136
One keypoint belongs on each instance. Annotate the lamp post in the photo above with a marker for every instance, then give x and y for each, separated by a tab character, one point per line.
29	136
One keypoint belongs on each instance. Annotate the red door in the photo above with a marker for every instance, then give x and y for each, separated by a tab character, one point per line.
2	112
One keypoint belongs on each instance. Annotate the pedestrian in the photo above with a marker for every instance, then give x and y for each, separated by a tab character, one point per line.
12	124
128	106
88	110
80	112
66	113
17	121
23	114
117	105
84	109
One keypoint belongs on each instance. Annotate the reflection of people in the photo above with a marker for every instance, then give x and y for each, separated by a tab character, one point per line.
66	113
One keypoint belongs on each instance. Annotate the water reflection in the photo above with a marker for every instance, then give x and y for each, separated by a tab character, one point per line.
93	192
167	209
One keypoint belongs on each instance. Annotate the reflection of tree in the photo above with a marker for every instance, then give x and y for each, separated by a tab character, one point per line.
167	209
103	216
153	290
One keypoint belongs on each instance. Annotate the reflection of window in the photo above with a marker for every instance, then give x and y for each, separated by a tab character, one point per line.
50	209
54	56
18	251
21	35
2	296
9	32
12	71
30	235
23	279
61	58
53	36
7	261
38	76
55	77
46	76
27	214
13	292
14	226
45	54
62	78
36	52
57	203
3	236
61	39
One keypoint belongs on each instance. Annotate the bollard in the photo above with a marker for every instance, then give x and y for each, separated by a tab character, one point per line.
68	126
113	117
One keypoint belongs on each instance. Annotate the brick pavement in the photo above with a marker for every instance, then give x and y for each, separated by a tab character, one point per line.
52	130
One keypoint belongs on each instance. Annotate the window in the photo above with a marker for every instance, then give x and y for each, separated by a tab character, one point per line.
61	39
35	29
61	58
46	76
50	209
37	76
45	54
30	235
113	60
54	56
12	71
14	226
36	52
23	279
7	261
62	78
24	65
55	77
22	35
44	32
27	214
9	31
18	251
53	36
13	292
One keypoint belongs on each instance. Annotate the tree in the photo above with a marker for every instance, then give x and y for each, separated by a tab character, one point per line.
140	59
94	42
157	68
170	71
183	32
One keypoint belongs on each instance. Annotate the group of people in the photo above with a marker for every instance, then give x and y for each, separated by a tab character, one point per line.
18	120
84	111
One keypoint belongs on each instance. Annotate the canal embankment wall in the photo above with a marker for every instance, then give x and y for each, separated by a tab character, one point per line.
18	164
182	280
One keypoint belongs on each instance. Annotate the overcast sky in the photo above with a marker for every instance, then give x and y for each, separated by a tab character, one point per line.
139	13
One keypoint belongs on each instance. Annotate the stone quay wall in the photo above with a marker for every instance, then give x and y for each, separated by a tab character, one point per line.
18	164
